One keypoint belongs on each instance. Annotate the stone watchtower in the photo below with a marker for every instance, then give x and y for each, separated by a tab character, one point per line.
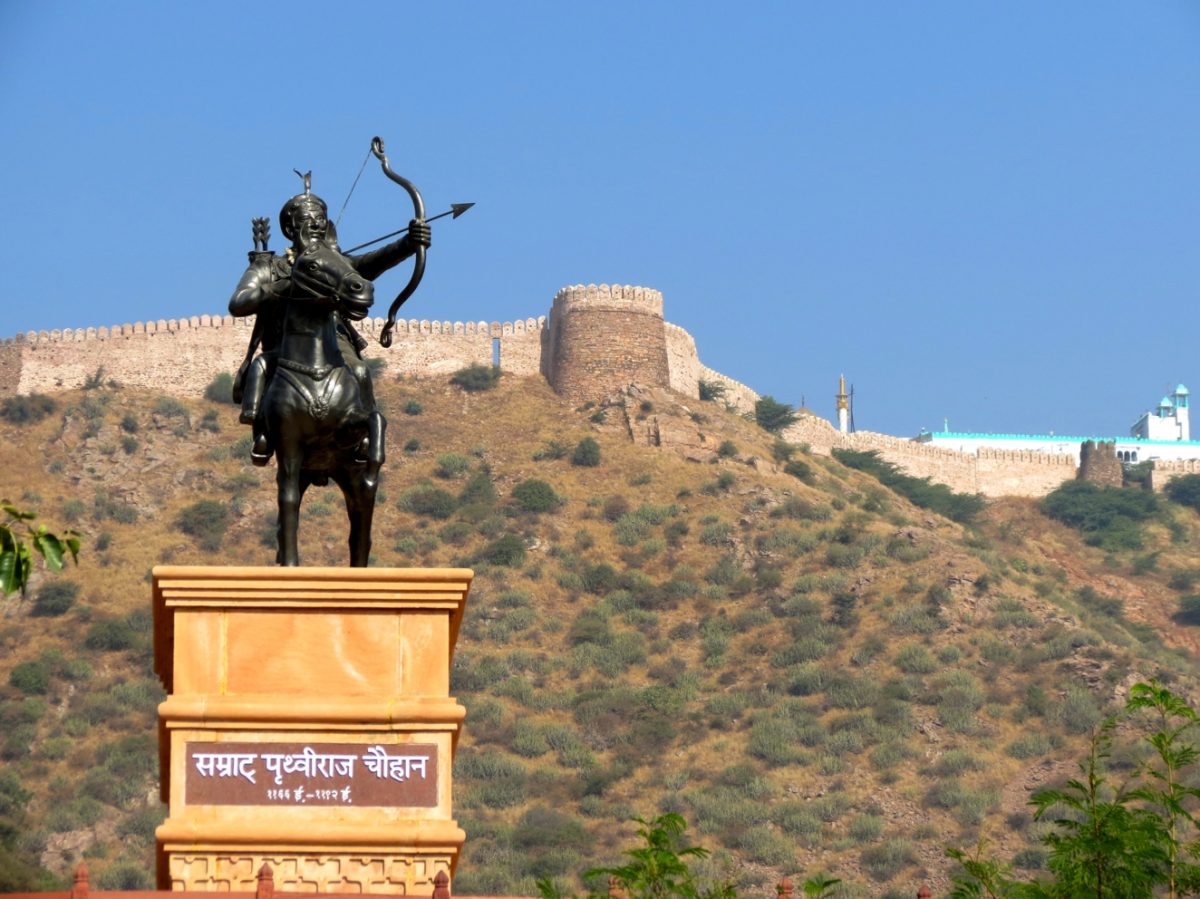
1098	463
605	338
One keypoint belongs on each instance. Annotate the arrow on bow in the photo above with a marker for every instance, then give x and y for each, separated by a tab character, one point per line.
455	210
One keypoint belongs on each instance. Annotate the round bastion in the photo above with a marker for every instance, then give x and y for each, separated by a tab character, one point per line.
604	338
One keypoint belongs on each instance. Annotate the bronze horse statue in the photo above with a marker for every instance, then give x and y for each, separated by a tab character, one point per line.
318	421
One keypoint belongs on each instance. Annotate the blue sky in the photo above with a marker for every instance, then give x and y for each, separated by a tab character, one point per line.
981	211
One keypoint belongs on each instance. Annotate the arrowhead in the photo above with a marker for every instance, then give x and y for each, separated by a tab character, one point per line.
459	208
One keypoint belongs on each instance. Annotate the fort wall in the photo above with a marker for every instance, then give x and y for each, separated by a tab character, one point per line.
604	338
683	361
597	339
1166	471
737	394
181	356
991	472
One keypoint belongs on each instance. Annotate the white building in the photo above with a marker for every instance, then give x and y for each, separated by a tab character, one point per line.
1168	422
1160	434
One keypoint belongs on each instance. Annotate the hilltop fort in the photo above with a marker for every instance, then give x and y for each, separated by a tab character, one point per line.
596	340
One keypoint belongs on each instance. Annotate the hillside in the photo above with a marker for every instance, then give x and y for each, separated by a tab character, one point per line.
816	674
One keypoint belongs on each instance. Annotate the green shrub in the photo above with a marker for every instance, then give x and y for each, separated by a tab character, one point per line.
220	388
451	466
532	495
54	599
412	407
763	846
125	875
1108	517
479	490
800	469
427	500
476	378
589	627
772	415
206	520
497	780
508	550
30	677
170	407
554	449
776	741
716	534
865	828
913	658
922	492
885	861
954	762
712	390
727	449
586	453
30	409
115	634
1189	609
1029	746
1184	490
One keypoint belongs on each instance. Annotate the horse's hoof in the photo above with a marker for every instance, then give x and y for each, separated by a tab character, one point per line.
260	460
247	418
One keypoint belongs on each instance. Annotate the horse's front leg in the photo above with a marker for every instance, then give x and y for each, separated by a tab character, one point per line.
290	493
359	492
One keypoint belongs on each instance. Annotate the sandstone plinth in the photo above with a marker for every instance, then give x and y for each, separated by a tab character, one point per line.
309	725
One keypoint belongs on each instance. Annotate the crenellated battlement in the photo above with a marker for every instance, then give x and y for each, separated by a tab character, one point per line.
1166	470
609	296
370	326
596	338
605	337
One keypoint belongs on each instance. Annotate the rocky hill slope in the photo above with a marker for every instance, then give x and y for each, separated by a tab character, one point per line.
819	676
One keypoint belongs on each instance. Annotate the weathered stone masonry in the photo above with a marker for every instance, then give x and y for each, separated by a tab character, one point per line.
597	339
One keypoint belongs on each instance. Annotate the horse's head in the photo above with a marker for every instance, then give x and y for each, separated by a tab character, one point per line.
321	271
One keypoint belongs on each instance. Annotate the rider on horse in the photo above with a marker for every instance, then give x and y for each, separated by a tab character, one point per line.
264	286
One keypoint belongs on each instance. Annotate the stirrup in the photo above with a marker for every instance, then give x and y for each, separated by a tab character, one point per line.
260	453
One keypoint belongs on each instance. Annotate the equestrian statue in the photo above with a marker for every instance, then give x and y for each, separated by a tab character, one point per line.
304	387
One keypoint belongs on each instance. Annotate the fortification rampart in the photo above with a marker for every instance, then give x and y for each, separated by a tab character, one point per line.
683	361
604	338
737	394
991	472
181	356
1166	470
598	338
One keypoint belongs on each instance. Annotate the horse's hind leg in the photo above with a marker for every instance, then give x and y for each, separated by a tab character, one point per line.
360	509
290	493
376	429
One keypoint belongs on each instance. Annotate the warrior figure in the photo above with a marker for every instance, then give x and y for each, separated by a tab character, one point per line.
264	287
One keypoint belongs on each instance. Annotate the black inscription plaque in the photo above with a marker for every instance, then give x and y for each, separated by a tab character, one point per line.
396	775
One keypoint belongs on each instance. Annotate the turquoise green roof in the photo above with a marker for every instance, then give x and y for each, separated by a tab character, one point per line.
1181	391
1054	438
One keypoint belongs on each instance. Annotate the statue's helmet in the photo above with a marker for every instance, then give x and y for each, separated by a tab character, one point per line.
302	208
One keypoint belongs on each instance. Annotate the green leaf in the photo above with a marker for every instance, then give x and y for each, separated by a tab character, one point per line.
50	547
14	512
8	572
15	567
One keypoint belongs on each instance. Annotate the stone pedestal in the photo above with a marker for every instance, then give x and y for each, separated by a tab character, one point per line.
308	724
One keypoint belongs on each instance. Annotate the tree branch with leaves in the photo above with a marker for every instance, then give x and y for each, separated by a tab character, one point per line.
20	539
